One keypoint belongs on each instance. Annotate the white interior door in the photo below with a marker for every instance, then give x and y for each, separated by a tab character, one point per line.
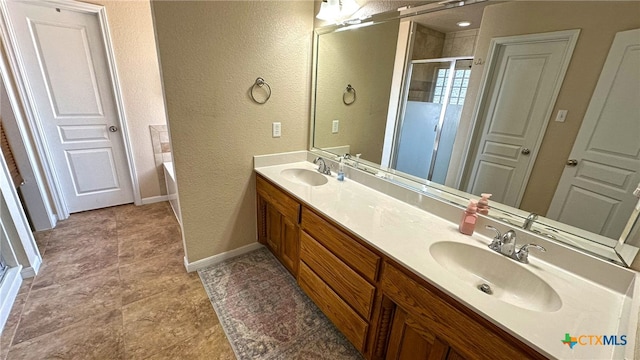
520	96
64	60
596	194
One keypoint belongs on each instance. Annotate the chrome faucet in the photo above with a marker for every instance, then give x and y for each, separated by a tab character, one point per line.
506	245
322	166
528	222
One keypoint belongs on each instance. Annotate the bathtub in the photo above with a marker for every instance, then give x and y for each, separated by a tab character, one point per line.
172	189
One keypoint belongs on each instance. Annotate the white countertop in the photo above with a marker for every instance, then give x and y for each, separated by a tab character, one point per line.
404	233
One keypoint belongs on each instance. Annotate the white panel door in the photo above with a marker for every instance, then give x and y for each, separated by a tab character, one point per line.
520	94
597	193
65	62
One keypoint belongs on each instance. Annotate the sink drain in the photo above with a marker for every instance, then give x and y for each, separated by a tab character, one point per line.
485	288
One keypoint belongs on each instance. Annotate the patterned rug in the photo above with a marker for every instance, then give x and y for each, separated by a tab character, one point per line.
266	315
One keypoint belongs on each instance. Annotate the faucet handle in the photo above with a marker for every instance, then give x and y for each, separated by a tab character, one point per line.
496	244
498	234
522	255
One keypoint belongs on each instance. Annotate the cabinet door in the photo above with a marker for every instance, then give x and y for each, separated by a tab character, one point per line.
409	340
274	229
289	245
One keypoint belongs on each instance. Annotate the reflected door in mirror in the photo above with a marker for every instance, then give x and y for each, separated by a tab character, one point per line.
519	93
597	194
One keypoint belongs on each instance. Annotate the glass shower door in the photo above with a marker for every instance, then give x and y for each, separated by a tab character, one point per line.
430	117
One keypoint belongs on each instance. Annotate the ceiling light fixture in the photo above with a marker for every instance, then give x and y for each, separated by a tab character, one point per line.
463	23
337	10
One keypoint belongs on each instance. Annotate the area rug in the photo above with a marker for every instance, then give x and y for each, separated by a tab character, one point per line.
266	315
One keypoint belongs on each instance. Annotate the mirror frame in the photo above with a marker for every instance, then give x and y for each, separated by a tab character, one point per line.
611	250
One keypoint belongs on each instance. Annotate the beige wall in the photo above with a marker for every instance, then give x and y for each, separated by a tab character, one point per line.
134	47
211	52
599	22
427	43
364	59
460	43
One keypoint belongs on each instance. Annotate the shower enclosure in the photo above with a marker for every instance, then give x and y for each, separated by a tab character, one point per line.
430	116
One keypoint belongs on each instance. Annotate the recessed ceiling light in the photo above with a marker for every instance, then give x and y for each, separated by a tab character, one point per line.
463	23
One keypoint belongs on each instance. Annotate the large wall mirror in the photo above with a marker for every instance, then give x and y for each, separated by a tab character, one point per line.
535	102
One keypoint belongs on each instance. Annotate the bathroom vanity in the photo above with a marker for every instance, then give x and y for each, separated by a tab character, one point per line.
400	282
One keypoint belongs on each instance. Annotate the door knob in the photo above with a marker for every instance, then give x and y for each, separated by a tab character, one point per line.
525	151
572	162
113	128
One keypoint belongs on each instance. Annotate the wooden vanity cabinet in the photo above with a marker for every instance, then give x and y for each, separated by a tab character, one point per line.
417	321
278	223
383	309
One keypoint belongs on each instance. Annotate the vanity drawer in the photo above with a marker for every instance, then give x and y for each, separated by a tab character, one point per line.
339	312
350	286
284	203
342	245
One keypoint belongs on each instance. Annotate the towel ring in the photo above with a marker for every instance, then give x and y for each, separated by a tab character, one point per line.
259	84
350	89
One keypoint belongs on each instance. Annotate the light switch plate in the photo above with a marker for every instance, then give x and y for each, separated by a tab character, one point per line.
562	116
335	125
276	129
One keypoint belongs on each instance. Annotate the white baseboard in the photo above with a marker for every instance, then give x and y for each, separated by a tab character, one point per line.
155	199
211	260
28	272
9	288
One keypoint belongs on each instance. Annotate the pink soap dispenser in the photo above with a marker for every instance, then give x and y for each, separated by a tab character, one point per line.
468	222
483	204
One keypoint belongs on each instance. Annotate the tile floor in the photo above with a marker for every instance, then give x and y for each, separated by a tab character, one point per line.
113	286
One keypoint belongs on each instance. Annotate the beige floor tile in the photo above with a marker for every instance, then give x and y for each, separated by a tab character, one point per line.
167	319
42	239
57	306
101	266
26	286
152	276
95	337
212	345
62	274
64	266
129	216
151	241
58	248
12	322
87	218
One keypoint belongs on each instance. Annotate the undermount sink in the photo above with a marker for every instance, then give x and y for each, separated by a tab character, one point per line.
496	276
304	176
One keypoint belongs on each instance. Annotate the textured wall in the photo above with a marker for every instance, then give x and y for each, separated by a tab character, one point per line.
211	52
427	43
460	43
134	46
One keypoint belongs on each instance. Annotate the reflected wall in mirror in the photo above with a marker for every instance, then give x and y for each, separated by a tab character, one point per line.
363	58
431	45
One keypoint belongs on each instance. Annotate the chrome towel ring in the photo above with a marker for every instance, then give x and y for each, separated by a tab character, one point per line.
260	84
349	91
